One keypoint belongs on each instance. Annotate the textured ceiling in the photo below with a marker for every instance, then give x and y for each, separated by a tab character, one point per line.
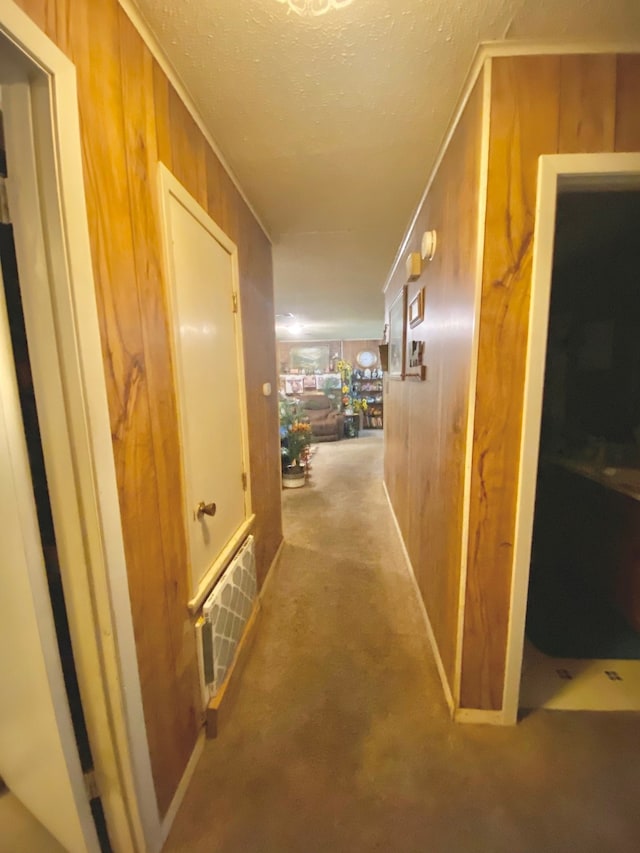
332	124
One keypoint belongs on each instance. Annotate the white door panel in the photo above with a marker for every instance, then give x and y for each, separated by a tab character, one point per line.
206	341
38	754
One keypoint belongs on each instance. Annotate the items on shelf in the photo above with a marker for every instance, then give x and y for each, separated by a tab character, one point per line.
293	384
366	392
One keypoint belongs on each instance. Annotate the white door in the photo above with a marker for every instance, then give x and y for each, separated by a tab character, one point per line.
208	360
38	755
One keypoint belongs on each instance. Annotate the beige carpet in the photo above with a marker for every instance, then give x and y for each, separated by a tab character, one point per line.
340	740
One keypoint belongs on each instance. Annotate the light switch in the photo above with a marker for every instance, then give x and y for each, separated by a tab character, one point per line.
266	389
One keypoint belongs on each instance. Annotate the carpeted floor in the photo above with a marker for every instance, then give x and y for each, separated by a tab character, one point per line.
340	740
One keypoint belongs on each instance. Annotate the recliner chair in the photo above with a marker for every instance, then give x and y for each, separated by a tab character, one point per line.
326	424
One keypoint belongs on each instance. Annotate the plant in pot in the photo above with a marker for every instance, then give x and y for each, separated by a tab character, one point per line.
295	438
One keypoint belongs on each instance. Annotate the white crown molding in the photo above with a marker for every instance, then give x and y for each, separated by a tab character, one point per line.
145	32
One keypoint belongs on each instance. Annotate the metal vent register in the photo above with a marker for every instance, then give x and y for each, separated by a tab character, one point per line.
224	616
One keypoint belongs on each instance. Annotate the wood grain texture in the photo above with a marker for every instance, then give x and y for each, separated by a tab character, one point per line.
524	122
171	722
350	350
130	117
258	319
37	11
223	201
587	103
165	613
627	133
425	422
188	149
161	106
539	104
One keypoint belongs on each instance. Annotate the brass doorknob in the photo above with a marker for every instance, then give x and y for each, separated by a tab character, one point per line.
205	509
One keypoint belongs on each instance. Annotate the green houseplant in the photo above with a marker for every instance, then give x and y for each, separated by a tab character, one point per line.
295	438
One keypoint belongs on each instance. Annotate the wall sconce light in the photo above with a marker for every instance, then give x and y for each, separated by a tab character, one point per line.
428	247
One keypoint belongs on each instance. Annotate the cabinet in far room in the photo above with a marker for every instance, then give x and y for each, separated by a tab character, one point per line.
368	389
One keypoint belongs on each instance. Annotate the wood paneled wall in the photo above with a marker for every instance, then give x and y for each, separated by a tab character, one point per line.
426	422
131	117
539	105
350	350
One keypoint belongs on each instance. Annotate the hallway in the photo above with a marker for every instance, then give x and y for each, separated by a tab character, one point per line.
340	739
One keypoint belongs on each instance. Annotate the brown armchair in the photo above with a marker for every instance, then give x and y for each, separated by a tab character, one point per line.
326	424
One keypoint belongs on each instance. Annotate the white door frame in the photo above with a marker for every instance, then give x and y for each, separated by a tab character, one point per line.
555	172
46	194
39	755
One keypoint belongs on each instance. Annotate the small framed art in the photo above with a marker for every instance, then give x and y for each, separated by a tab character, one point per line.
397	335
416	309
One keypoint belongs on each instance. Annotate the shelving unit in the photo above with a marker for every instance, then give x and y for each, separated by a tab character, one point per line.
369	389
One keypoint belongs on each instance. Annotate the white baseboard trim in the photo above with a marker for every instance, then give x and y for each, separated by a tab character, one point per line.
479	717
176	802
432	638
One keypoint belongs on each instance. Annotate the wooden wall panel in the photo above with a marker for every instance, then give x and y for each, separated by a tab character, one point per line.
222	203
540	105
130	118
524	121
258	317
169	589
587	103
627	134
426	422
350	349
161	106
37	11
188	149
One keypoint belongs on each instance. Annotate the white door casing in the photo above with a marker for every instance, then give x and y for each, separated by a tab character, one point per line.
201	262
47	202
555	172
38	753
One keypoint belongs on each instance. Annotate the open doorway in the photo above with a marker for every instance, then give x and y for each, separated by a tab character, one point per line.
576	590
328	391
584	595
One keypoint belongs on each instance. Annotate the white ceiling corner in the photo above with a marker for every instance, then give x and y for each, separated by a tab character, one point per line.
332	124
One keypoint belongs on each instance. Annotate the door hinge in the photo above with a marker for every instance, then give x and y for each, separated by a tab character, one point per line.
245	481
91	785
234	299
5	215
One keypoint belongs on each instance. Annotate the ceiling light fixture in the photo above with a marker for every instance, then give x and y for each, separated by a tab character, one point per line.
313	8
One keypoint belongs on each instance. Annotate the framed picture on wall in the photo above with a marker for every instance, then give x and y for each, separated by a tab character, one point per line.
309	383
416	309
397	335
415	367
313	359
